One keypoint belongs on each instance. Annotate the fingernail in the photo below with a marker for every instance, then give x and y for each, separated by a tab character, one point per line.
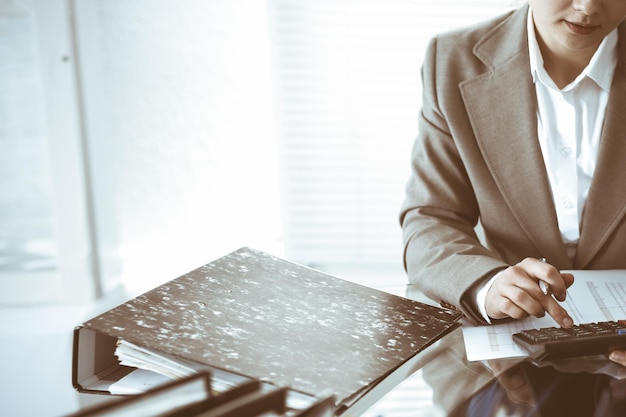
567	323
616	356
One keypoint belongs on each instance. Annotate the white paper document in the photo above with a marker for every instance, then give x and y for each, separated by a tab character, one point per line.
595	296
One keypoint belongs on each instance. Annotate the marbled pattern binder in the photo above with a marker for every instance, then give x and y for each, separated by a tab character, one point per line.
261	316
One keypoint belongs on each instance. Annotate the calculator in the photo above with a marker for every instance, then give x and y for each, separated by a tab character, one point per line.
550	343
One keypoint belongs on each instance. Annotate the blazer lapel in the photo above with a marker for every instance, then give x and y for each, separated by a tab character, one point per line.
505	127
606	202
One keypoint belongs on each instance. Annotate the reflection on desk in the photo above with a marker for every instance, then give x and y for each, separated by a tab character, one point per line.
528	390
589	387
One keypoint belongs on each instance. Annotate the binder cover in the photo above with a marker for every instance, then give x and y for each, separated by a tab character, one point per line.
253	314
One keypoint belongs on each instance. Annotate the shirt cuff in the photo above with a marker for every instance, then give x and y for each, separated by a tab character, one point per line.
481	297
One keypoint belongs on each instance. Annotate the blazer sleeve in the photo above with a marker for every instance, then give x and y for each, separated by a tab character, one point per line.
443	255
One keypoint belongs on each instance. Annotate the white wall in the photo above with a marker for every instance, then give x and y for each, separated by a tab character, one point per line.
185	145
178	100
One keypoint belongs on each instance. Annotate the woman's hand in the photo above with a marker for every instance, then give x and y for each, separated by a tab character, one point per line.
516	293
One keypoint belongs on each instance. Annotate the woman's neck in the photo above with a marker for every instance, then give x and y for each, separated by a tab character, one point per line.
563	67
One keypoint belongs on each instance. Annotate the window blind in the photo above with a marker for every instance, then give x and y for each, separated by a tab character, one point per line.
348	88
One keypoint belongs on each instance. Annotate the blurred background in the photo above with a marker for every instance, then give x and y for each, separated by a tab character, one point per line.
141	139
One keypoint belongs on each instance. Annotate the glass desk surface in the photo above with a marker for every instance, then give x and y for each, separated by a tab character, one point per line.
449	385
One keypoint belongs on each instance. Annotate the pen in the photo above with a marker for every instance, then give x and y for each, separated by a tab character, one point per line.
545	287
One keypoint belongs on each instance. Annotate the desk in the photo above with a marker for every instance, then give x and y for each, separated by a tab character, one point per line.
450	386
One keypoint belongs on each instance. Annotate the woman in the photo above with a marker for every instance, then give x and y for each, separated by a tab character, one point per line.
521	129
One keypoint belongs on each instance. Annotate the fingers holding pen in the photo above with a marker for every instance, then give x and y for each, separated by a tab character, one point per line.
516	292
511	296
551	281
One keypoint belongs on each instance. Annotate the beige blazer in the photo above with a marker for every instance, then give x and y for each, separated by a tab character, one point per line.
477	157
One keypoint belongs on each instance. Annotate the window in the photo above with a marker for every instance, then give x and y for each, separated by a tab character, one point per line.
27	236
46	248
349	93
